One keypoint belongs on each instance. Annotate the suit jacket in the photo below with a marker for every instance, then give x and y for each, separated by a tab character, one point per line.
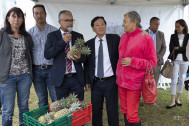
113	44
6	54
55	48
160	47
174	42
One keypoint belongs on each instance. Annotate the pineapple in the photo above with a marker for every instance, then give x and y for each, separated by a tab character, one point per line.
49	117
86	50
72	98
61	113
54	107
75	106
64	103
79	49
42	119
84	104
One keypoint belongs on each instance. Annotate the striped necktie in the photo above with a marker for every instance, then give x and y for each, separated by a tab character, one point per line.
68	61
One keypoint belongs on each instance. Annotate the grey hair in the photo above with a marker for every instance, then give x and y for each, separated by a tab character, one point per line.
64	12
134	16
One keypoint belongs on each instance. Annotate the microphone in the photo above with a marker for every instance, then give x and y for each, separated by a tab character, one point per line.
70	29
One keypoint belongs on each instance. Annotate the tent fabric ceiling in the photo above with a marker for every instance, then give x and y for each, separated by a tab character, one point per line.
123	2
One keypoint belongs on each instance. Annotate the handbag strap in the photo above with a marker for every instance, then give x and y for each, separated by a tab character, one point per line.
149	67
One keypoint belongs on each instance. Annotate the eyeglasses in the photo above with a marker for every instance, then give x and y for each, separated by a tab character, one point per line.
39	13
68	20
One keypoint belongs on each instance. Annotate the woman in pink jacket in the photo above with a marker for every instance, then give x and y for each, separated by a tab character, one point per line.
135	50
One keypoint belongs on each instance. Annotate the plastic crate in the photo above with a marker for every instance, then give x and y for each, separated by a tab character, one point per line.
30	118
82	116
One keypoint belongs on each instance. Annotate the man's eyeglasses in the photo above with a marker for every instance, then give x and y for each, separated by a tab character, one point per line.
68	20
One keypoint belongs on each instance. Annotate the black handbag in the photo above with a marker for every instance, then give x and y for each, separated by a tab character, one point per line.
186	84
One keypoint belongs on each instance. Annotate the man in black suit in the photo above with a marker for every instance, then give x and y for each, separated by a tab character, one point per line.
100	73
67	72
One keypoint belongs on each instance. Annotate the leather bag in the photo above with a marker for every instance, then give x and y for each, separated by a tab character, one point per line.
149	88
167	70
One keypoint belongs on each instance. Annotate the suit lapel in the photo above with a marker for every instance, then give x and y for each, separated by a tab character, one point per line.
74	37
59	35
157	41
93	50
185	40
109	43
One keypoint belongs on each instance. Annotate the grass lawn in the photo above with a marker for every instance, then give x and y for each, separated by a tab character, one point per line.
150	116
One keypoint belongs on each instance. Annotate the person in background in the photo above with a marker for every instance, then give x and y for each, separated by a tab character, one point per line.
177	48
41	66
67	72
15	66
136	51
100	73
160	46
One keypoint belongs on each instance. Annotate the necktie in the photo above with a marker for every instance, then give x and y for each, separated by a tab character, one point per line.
68	61
100	69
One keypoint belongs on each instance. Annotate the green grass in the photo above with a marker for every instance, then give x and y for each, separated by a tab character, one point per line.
150	116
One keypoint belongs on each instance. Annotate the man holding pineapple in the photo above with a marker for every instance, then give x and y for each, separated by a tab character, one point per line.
67	72
100	70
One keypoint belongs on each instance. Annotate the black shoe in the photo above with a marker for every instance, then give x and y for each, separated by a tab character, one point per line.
170	107
135	124
178	104
126	121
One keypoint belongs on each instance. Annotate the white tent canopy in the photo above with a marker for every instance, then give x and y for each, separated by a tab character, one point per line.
125	2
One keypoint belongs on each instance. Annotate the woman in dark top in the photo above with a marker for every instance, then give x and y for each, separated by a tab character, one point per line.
15	66
177	48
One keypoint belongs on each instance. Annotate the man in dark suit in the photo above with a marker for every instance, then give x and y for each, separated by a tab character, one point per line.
67	72
100	73
160	45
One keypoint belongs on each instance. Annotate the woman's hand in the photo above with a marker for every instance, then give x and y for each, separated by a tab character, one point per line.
126	61
144	32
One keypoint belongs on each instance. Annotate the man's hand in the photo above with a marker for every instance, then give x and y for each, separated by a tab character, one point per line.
67	37
74	58
176	48
126	61
87	87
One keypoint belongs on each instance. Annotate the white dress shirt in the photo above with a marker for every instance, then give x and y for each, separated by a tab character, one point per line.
106	59
70	44
181	39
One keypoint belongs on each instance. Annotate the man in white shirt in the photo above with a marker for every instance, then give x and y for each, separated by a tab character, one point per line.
100	73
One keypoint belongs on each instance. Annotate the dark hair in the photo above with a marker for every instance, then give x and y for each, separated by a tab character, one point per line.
39	5
96	18
154	18
19	13
183	24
